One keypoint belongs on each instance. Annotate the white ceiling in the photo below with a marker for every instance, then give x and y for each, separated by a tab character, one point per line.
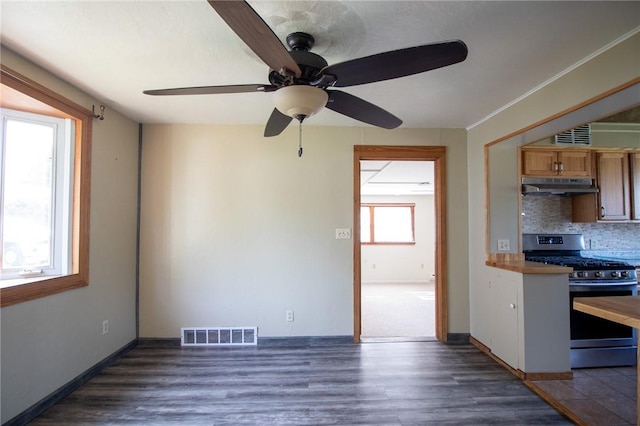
115	50
396	178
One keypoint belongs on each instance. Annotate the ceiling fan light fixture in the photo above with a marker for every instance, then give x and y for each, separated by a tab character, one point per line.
300	100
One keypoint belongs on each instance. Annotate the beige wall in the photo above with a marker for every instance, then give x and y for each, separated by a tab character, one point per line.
612	68
48	342
236	229
403	263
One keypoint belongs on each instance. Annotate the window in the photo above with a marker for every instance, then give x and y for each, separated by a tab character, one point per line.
36	165
44	191
387	224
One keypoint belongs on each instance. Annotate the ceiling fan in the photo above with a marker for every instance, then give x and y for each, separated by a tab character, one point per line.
301	80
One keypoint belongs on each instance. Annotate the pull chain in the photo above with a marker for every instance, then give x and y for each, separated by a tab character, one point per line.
299	138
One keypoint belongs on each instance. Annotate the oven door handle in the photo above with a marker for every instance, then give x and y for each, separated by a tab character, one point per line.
595	286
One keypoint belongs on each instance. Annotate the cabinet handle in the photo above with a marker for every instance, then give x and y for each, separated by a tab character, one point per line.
555	166
602	211
512	305
561	168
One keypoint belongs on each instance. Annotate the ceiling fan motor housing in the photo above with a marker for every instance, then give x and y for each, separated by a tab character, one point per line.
310	64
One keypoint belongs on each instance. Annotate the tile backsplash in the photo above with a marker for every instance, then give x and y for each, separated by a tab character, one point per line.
552	214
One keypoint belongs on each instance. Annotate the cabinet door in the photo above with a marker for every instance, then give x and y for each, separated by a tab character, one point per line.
539	163
569	163
613	181
504	325
574	163
635	185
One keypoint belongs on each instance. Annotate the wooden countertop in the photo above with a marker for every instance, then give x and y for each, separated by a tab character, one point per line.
621	309
528	267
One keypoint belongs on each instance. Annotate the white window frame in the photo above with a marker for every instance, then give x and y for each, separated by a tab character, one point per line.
62	195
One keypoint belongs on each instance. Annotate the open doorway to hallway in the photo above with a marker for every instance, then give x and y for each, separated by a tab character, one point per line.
397	234
437	155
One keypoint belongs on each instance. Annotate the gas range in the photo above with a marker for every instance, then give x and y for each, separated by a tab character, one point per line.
594	342
565	250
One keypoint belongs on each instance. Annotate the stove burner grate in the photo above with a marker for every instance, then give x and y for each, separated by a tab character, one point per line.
581	263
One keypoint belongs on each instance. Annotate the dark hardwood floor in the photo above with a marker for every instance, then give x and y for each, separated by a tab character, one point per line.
408	383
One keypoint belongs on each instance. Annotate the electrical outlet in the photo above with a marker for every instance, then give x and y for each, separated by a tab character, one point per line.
504	245
343	233
290	315
105	327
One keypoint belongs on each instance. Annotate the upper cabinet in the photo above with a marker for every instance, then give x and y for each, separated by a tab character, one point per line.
614	202
618	198
556	163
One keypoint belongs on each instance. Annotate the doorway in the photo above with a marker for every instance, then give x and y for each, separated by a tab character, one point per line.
392	154
397	238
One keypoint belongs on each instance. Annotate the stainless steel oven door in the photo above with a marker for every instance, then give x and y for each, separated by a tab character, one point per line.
589	331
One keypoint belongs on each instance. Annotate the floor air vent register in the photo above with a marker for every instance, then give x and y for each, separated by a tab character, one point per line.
219	336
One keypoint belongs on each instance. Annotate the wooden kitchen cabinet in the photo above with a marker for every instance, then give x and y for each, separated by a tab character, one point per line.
618	199
556	163
614	198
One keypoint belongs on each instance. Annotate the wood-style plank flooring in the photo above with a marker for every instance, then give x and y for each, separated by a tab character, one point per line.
407	383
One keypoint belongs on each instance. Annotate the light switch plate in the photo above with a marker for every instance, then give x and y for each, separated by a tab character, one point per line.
343	233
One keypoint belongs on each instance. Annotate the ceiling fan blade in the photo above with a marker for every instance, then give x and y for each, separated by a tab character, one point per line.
256	34
277	123
212	90
361	110
396	63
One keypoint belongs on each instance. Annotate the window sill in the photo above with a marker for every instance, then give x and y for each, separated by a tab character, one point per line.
408	243
37	287
21	281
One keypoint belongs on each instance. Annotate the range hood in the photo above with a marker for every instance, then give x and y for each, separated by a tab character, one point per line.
557	186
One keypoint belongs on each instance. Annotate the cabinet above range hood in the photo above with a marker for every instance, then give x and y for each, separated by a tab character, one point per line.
557	186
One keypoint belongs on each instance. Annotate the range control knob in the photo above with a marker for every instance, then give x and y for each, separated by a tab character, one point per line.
599	274
615	274
625	274
583	274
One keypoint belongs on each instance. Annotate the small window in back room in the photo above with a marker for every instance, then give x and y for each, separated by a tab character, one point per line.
36	162
387	223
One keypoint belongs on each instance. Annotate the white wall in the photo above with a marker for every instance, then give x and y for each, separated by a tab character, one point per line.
49	341
236	229
612	68
503	195
403	263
